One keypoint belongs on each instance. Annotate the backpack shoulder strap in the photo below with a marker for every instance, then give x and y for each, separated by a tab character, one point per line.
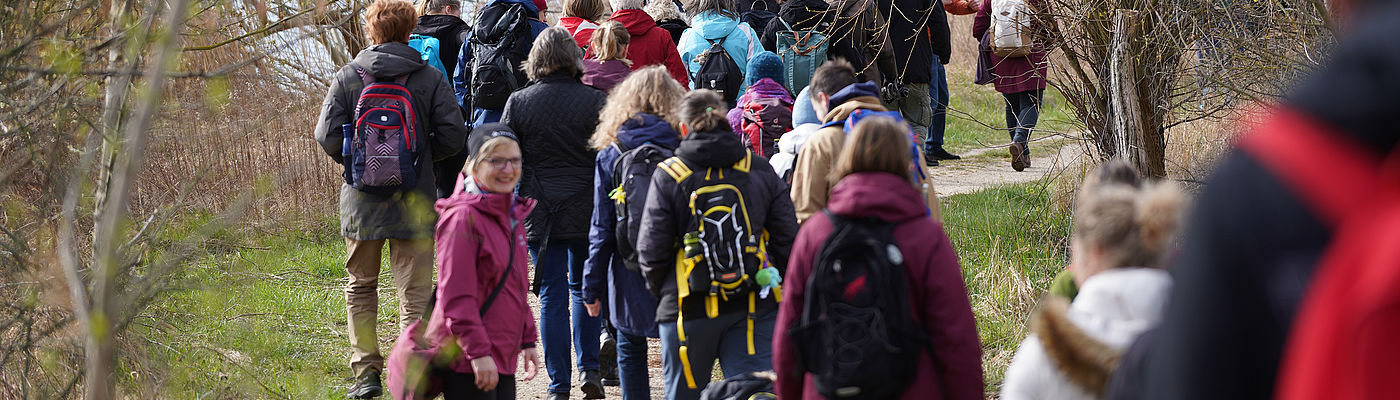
744	164
1333	177
676	169
364	75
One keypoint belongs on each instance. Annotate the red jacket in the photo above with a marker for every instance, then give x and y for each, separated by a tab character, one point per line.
473	246
651	44
952	366
581	29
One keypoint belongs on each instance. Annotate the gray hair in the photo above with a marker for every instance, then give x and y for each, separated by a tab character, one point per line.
627	4
554	51
721	7
662	10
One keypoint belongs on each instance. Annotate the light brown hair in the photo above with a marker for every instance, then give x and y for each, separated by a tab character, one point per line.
610	42
877	144
426	7
389	21
590	10
649	90
554	51
1132	224
702	110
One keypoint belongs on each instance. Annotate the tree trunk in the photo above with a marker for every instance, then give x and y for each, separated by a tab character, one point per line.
1135	132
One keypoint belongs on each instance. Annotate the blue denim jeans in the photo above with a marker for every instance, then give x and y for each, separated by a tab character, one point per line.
725	337
1022	113
938	99
482	116
560	273
632	366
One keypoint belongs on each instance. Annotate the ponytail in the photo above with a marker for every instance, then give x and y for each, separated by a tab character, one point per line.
703	110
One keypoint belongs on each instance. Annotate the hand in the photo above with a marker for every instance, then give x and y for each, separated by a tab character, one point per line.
531	359
486	376
594	308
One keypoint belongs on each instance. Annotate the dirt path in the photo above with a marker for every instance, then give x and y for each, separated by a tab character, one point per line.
977	171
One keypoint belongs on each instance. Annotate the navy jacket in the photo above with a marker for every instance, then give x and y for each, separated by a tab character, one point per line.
632	307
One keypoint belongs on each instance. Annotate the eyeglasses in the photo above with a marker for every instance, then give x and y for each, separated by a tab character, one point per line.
500	163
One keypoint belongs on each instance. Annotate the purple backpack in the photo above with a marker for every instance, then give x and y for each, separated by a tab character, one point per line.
381	147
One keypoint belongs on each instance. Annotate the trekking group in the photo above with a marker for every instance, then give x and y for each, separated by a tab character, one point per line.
745	181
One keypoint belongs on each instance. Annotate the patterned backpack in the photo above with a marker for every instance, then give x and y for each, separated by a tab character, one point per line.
381	151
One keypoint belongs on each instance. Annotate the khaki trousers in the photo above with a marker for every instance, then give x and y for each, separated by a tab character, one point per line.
411	264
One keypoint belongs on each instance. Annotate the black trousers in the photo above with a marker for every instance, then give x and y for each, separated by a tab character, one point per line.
459	386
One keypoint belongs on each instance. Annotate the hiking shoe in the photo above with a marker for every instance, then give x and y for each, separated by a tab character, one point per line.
1019	159
592	385
938	153
558	396
368	386
607	360
930	161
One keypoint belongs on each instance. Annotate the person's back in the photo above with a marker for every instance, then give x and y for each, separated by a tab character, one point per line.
799	15
504	45
876	186
650	44
608	64
714	21
764	112
582	18
439	19
713	327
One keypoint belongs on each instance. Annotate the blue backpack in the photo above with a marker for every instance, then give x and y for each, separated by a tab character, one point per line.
429	47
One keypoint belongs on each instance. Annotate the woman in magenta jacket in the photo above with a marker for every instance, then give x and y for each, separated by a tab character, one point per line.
480	247
874	165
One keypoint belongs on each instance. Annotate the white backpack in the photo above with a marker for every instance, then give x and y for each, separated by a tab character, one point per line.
1011	28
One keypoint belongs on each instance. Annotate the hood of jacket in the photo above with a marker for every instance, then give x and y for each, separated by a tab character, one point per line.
850	106
646	128
638	22
573	24
713	25
880	195
529	5
803	14
504	206
389	60
766	88
719	149
438	25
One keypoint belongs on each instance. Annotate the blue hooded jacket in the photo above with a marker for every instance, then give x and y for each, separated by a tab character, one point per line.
462	74
740	41
632	309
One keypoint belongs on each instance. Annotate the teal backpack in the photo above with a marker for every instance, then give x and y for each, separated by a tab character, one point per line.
802	52
428	46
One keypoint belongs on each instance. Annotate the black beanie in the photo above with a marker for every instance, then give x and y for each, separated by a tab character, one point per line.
481	134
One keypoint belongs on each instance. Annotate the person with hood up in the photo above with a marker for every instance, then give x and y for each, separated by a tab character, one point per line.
581	19
554	116
836	95
482	277
715	20
405	219
650	44
1121	235
805	124
1021	80
462	75
741	333
639	111
608	65
668	16
765	82
874	183
800	15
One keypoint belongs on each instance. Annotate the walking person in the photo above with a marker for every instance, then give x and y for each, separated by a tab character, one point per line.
554	116
400	216
716	22
650	44
1020	79
481	306
729	208
913	26
640	112
764	112
504	32
667	15
874	185
608	65
440	19
581	18
941	39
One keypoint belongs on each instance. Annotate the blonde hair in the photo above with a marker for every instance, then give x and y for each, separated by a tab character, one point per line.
389	21
610	42
554	51
426	7
487	148
649	90
590	10
877	144
703	110
1132	224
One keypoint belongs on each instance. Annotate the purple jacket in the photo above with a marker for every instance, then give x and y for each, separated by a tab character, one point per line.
603	75
473	245
763	89
952	366
1016	74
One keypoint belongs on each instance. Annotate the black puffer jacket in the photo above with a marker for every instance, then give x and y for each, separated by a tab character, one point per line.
449	30
554	117
667	217
801	15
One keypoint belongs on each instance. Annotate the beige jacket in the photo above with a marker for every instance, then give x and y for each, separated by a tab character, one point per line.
811	183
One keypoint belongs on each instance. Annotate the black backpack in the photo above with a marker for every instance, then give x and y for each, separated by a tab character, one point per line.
631	178
746	386
857	335
719	72
757	18
499	42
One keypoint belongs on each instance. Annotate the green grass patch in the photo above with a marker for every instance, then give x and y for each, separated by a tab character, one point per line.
1011	241
977	115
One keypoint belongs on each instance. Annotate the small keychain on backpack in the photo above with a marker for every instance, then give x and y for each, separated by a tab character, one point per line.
768	278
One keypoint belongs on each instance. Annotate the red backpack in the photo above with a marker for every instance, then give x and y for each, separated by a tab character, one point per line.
765	121
1342	344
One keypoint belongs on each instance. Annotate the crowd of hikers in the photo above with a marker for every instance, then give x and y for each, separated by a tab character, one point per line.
749	185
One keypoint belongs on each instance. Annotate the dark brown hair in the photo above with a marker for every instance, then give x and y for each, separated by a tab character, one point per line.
703	110
833	76
878	144
389	21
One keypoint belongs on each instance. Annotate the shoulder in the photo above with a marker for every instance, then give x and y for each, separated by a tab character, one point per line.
674	168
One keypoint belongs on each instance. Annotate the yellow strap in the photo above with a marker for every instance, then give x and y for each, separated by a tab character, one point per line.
676	168
750	322
685	365
743	165
712	304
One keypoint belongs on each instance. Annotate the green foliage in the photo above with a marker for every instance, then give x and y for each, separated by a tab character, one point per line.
1011	242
